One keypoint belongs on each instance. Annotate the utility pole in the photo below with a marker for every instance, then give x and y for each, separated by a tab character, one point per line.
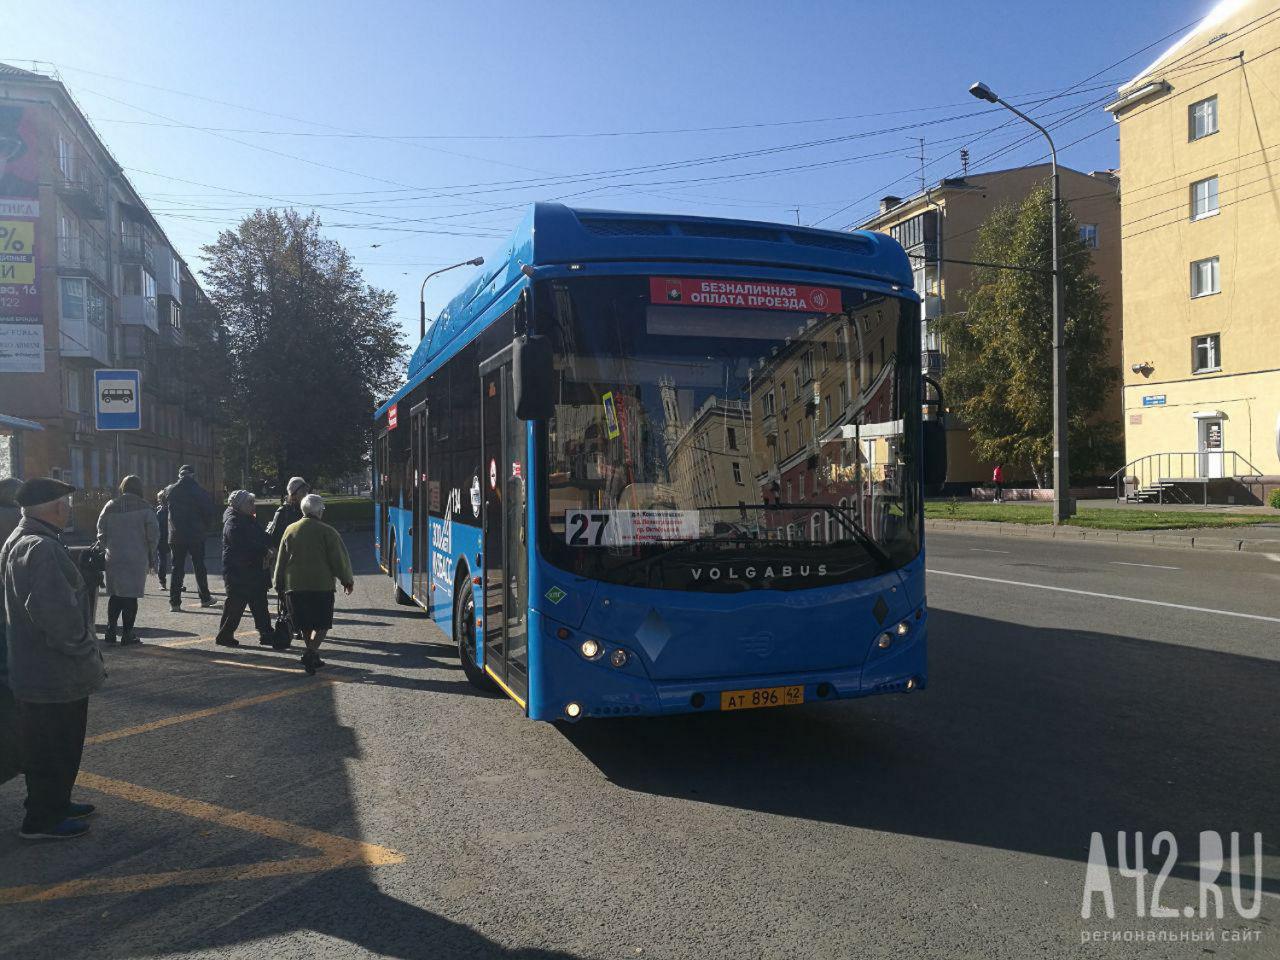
920	140
1063	506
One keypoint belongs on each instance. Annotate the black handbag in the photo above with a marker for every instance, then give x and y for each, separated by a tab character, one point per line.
282	629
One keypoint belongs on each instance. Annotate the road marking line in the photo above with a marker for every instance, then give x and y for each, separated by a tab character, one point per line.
1107	596
200	714
335	852
192	641
1153	566
985	550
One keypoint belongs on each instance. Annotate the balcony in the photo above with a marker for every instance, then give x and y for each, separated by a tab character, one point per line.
169	316
136	247
82	187
84	253
84	340
932	306
138	310
931	361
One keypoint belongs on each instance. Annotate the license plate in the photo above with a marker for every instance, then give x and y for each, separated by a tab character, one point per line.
761	697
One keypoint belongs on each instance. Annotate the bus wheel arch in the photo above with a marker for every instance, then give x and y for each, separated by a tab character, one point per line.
393	565
464	630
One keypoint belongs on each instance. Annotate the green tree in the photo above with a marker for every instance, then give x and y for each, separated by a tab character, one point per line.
999	352
311	347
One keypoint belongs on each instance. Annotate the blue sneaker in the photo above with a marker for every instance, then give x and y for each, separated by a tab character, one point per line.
66	830
78	811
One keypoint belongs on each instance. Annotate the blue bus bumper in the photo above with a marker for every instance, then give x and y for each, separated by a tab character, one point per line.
600	689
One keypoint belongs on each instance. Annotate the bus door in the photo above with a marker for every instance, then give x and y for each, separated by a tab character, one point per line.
421	558
506	573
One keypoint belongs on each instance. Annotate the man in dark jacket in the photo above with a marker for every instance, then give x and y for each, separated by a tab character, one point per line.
54	661
162	549
191	514
244	573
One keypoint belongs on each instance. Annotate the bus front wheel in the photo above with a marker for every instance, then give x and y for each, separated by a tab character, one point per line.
464	635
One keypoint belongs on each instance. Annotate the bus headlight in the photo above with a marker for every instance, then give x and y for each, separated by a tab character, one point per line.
884	641
590	649
903	628
572	711
618	658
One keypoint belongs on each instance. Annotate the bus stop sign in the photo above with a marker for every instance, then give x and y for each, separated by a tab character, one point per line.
118	403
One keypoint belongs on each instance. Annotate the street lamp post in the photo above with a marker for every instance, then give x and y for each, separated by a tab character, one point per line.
1063	507
422	292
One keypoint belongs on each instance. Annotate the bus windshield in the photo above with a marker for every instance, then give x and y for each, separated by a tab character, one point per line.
729	434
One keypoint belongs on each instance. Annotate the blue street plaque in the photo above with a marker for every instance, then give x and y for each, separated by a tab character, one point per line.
1153	400
118	399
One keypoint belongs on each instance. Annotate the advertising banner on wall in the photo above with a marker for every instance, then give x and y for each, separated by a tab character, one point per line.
21	323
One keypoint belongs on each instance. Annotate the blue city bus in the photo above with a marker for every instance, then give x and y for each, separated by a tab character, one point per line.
652	464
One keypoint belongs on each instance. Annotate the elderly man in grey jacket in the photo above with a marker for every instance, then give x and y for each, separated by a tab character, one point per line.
54	661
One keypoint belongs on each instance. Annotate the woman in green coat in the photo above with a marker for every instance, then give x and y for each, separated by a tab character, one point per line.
310	558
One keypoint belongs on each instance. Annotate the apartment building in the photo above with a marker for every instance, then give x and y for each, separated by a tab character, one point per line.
88	280
1199	144
939	228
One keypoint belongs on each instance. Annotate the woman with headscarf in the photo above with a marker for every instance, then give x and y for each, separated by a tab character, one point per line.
128	532
311	556
289	512
245	546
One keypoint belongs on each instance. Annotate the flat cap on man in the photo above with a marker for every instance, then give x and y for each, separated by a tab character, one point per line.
42	490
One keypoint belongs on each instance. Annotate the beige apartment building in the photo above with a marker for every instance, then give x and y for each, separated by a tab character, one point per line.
1199	148
939	228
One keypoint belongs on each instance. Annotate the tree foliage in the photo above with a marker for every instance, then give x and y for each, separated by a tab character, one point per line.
311	346
999	353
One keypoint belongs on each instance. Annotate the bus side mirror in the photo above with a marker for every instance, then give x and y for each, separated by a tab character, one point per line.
935	453
533	377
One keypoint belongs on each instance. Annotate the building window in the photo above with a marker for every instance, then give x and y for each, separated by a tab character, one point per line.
1204	277
844	396
826	408
802	476
1202	118
1206	356
1204	198
815	527
767	404
737	473
786	443
731	438
73	389
1089	235
66	158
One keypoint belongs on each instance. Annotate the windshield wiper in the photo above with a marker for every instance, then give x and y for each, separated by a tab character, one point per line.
858	533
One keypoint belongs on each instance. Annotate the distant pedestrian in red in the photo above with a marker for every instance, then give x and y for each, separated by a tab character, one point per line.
997	478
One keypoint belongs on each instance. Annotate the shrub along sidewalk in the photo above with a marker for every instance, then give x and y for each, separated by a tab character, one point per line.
1094	518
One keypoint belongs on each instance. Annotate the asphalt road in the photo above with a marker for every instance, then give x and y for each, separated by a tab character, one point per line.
387	809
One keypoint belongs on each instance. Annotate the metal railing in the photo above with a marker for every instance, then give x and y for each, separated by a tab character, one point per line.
1196	466
85	251
81	183
135	247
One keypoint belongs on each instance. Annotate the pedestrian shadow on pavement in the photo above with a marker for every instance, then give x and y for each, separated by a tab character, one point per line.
300	774
1027	740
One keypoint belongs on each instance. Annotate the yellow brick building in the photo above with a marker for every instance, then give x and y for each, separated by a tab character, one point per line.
1199	157
939	227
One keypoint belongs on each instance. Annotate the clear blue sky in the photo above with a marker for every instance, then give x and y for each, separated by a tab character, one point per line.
416	70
